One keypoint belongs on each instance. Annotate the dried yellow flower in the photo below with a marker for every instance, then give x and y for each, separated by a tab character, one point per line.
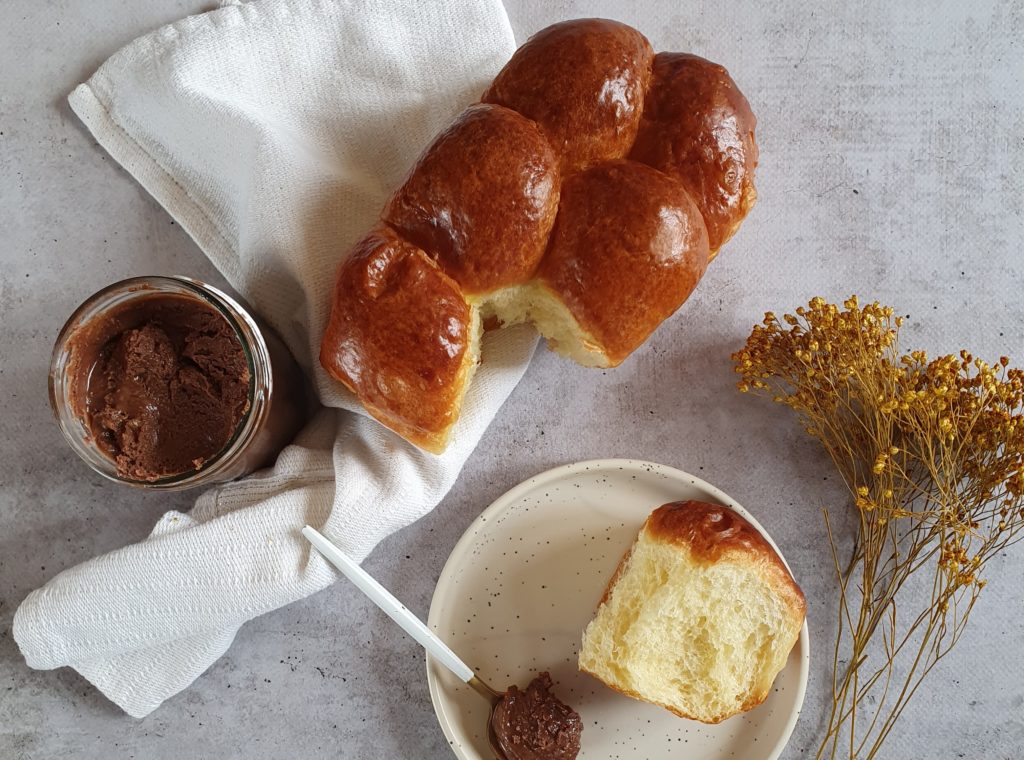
942	441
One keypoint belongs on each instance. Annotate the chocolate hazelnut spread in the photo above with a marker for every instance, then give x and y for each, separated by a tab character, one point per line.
161	382
534	724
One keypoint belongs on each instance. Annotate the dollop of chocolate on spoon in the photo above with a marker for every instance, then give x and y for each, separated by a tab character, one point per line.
534	724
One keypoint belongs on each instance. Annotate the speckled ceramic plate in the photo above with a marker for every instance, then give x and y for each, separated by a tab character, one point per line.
523	582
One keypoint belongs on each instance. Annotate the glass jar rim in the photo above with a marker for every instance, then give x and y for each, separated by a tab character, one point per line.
254	349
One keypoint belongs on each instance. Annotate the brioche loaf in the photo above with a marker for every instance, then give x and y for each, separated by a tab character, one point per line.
585	194
699	617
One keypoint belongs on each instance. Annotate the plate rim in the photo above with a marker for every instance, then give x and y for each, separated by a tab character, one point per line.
464	545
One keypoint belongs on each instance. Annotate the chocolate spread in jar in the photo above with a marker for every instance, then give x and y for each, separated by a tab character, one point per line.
535	725
161	382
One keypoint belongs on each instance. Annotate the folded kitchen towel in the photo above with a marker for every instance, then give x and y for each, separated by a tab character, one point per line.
273	133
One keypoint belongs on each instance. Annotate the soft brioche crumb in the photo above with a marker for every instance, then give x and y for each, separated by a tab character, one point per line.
699	617
533	302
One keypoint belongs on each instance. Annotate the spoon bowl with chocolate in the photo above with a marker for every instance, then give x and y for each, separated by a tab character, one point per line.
527	724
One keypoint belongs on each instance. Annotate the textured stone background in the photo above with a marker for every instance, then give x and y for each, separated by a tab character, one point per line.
892	166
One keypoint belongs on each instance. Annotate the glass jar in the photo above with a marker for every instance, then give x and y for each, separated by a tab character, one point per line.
277	399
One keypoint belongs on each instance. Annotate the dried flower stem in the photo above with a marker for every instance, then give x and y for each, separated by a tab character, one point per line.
932	452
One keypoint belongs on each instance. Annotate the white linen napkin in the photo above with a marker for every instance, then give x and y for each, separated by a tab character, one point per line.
273	133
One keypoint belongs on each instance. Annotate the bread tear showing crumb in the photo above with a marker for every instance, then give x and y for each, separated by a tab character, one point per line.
534	303
699	619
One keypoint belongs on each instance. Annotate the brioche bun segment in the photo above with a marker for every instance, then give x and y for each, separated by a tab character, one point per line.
699	617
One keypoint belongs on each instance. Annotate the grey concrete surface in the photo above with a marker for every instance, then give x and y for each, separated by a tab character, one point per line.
892	139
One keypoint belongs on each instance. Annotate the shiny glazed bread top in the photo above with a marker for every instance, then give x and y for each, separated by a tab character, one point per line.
585	194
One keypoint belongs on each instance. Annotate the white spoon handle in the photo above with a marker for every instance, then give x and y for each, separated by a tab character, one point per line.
391	606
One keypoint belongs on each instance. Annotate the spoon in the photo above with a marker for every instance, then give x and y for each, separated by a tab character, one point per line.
412	625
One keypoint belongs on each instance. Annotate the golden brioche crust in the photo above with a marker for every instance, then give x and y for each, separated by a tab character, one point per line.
707	530
698	127
481	199
629	246
516	202
399	337
583	81
710	530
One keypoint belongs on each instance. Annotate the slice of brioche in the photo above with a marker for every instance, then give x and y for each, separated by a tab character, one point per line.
699	617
